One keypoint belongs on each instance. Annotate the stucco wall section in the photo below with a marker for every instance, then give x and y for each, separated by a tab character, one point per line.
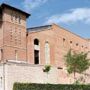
1	77
28	73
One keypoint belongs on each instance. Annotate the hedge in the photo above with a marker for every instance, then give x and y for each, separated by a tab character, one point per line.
29	86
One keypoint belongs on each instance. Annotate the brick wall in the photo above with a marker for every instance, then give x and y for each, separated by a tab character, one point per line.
60	41
14	34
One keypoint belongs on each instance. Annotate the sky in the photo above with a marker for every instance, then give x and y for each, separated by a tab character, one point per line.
74	15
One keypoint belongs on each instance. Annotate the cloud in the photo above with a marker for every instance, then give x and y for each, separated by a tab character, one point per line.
31	4
72	16
3	1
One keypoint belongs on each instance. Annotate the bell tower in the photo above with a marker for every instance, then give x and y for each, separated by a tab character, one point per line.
13	33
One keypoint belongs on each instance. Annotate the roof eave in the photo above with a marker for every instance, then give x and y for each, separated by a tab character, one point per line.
9	6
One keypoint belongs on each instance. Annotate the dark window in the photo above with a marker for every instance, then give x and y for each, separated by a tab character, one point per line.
76	44
36	56
63	39
36	52
36	42
70	41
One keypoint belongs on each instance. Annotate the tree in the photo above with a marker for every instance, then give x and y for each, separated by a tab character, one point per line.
76	62
46	69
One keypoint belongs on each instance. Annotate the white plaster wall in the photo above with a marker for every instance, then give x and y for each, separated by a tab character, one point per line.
1	78
28	73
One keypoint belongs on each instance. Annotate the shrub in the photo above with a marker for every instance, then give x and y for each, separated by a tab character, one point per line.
28	86
47	68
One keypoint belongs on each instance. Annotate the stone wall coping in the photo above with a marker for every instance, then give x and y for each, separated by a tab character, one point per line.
22	63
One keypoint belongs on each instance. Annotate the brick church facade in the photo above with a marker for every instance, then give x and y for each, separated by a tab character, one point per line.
24	52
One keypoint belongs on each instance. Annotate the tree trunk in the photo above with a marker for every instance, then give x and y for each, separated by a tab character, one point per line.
74	76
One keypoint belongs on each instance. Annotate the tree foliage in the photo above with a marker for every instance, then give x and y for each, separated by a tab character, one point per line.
47	68
32	86
76	62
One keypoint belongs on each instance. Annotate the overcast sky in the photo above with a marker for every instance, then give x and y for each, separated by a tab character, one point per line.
73	15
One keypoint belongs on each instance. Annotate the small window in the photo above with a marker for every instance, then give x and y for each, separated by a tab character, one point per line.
36	42
64	39
71	42
76	44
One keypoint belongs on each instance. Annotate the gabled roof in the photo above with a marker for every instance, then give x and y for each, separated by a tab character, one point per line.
39	28
11	7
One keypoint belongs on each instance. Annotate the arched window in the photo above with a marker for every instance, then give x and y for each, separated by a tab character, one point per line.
36	51
36	42
47	53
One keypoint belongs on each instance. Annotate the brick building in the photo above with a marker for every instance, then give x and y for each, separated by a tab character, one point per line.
24	52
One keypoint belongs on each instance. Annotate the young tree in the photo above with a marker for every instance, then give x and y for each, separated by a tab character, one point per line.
76	62
47	69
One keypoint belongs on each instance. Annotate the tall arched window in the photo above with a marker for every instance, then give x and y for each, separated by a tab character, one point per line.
36	42
36	51
47	53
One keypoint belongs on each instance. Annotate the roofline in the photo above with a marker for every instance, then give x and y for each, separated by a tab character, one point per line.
36	31
59	27
39	27
11	7
69	31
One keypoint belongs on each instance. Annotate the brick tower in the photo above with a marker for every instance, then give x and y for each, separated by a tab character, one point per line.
12	33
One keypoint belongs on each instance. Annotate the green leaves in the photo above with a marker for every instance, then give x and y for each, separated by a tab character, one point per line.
31	86
76	62
47	68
